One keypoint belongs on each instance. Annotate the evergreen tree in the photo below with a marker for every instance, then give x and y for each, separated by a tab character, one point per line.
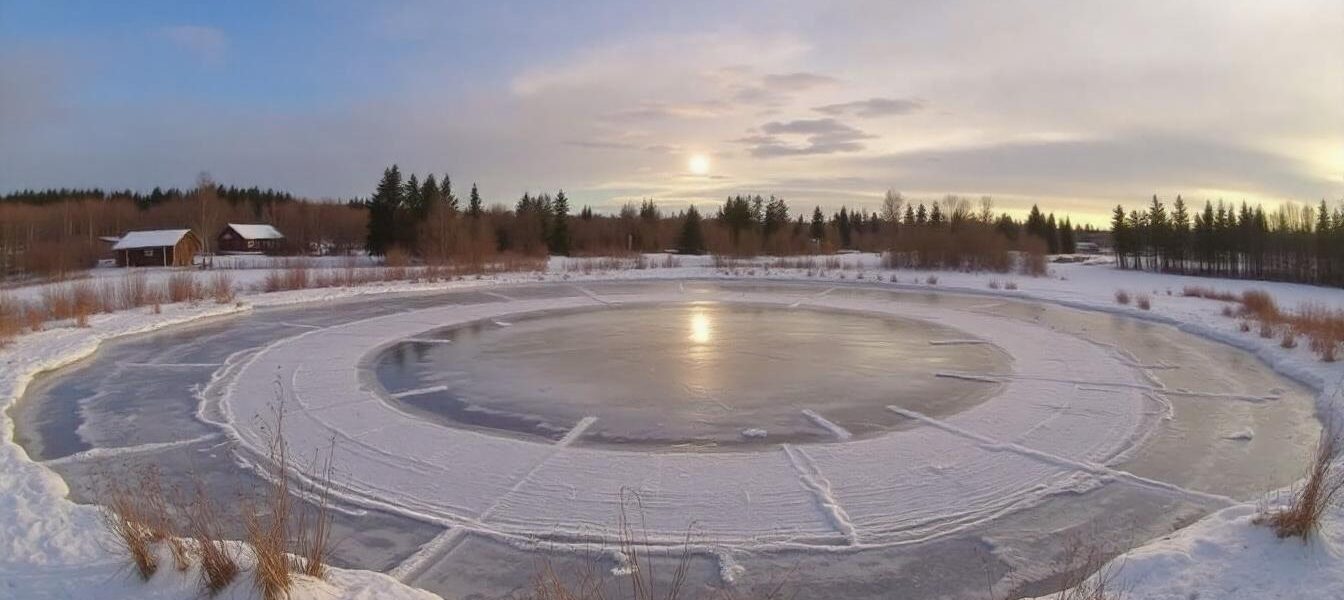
474	207
909	214
1066	240
1051	235
383	208
738	215
1119	235
411	196
776	216
446	194
648	211
429	194
692	237
559	239
818	229
842	227
586	214
936	216
921	215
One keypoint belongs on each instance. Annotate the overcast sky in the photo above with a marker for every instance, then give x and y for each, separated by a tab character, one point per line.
1075	104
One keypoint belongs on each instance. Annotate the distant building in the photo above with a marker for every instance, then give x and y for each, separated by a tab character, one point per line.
157	248
237	238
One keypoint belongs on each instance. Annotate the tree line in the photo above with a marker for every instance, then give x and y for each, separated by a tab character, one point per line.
1297	243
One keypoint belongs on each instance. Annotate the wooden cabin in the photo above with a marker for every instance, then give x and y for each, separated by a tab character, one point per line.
238	238
157	248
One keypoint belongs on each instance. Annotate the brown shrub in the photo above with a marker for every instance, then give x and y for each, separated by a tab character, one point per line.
1259	304
931	280
1144	301
993	284
1122	297
1011	285
1289	339
1208	293
1323	327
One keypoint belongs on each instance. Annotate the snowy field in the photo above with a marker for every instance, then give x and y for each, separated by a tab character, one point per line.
1073	416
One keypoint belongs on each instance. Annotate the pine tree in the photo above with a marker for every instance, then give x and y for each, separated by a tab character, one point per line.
559	239
474	208
692	237
586	214
921	215
909	214
936	216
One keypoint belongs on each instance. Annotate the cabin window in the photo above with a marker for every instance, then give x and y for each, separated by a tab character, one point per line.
251	244
149	252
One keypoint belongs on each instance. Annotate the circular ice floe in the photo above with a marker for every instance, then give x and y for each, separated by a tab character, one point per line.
1068	408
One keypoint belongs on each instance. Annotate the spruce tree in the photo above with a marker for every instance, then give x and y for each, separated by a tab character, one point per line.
692	237
818	229
474	208
1051	235
1067	245
446	194
559	239
383	208
429	194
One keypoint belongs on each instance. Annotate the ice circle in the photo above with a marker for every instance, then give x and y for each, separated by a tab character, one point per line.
1041	434
697	375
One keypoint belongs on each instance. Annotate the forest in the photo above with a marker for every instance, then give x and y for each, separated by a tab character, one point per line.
1297	243
52	233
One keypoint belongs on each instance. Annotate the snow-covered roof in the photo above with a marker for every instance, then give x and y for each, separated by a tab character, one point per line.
156	238
257	232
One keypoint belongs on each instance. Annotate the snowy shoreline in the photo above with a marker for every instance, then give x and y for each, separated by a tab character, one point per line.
52	546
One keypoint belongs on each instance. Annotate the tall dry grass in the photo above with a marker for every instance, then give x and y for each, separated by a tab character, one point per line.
220	288
1322	326
183	287
1321	491
11	318
217	557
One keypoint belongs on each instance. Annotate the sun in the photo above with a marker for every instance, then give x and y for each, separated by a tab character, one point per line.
699	164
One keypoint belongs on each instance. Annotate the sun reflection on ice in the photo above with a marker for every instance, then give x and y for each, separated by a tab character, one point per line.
701	327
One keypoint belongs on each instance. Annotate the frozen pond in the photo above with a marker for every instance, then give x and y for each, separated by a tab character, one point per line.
915	444
688	375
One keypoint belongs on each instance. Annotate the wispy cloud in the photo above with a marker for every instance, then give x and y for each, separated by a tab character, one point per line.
208	44
873	107
802	137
